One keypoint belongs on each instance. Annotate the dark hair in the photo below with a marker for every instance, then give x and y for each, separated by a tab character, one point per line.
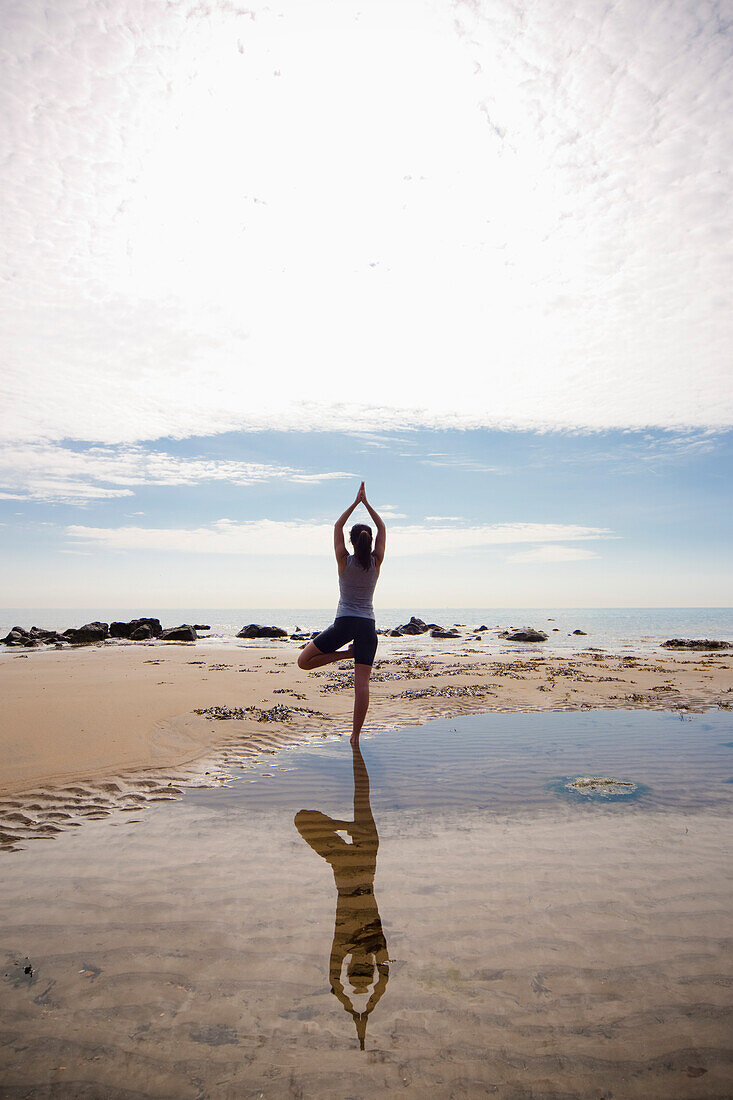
361	540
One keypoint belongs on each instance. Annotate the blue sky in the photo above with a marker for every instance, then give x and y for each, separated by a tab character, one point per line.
252	255
482	518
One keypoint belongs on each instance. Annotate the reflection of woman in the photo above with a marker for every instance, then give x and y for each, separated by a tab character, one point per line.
358	938
354	622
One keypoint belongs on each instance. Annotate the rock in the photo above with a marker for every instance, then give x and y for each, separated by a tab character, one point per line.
126	630
256	631
415	626
201	626
183	633
556	630
396	633
142	634
37	635
696	643
480	629
527	634
438	633
87	634
580	632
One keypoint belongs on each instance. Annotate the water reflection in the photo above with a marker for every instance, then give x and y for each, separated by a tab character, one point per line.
359	946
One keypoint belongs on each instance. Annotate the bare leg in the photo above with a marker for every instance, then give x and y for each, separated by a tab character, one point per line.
311	657
361	698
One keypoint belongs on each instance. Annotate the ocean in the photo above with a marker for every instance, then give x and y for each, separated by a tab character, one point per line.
637	628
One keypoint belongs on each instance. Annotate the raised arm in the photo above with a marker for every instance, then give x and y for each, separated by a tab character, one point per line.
339	544
380	543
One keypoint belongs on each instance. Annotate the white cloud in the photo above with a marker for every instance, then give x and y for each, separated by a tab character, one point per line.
551	553
460	462
267	537
48	472
536	240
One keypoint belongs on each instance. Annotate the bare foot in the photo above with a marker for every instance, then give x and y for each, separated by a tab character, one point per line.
354	739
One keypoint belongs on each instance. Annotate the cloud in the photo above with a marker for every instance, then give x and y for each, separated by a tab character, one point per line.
536	241
267	537
548	554
632	451
459	462
52	473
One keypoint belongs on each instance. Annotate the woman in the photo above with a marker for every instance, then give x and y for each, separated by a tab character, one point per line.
358	573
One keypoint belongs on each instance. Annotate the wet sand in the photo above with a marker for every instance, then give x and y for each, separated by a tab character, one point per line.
530	956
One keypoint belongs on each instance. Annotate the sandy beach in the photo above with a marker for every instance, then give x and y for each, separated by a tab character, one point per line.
536	947
145	716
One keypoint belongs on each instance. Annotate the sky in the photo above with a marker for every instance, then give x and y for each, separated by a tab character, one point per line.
476	253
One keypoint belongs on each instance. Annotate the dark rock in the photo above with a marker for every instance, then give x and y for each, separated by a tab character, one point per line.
436	632
126	630
696	643
46	637
396	633
201	626
527	634
480	629
37	635
142	634
415	626
256	631
556	630
87	634
183	633
580	632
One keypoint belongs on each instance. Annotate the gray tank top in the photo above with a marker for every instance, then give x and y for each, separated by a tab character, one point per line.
356	586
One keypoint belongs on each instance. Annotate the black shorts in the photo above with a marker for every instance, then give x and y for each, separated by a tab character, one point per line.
350	628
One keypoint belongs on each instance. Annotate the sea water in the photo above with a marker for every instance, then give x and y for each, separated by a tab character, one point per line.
638	628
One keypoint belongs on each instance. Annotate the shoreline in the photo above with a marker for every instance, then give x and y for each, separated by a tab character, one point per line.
111	727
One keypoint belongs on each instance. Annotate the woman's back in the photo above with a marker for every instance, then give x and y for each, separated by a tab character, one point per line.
356	587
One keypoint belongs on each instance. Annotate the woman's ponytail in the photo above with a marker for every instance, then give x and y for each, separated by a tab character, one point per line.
361	540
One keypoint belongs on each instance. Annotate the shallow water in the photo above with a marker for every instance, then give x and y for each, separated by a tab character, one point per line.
506	763
432	897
